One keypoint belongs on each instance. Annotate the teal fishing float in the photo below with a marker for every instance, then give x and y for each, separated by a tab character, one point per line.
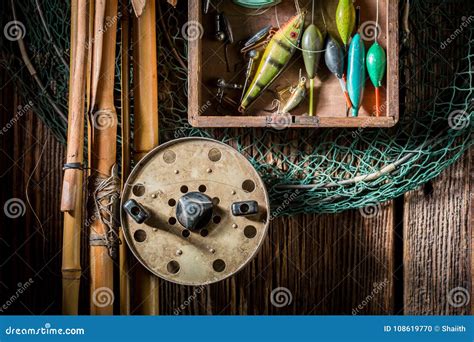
356	73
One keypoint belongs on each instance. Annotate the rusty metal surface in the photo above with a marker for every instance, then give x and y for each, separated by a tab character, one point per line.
223	246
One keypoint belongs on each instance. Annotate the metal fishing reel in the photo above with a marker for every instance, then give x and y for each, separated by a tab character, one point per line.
194	211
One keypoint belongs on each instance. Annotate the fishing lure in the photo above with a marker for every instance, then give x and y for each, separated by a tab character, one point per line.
376	65
356	72
297	94
345	20
277	54
252	56
258	36
334	58
312	44
223	33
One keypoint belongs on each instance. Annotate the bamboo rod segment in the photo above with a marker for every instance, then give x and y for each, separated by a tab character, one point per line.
146	294
72	226
98	41
102	160
124	268
75	138
138	7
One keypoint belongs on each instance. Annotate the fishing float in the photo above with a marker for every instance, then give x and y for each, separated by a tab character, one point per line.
334	58
311	45
356	73
345	20
376	65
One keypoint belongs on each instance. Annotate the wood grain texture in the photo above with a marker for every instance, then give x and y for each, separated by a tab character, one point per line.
438	245
329	264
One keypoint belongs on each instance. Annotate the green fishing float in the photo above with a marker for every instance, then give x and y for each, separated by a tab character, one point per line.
345	20
311	44
376	66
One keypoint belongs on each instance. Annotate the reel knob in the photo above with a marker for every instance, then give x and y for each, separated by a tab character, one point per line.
194	210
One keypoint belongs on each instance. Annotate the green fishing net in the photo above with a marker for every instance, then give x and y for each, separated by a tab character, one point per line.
306	170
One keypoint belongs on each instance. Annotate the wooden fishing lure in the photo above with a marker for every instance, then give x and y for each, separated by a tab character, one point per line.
312	45
356	72
334	58
376	65
297	94
345	20
277	54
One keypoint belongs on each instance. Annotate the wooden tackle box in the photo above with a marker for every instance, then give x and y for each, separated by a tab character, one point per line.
207	64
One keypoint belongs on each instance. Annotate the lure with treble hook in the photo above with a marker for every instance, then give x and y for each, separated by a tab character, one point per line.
276	56
356	72
311	44
345	20
297	94
376	65
334	58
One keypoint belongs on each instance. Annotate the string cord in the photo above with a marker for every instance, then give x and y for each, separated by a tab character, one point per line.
377	22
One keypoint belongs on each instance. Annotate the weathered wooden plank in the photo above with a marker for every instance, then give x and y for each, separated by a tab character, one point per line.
438	245
327	264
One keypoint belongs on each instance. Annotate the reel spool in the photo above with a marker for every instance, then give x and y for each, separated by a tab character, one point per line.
194	211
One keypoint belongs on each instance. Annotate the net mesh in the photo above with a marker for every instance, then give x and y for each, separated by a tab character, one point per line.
306	170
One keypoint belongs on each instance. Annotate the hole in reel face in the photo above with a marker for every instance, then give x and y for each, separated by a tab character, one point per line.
250	232
248	185
138	190
139	235
173	267
218	265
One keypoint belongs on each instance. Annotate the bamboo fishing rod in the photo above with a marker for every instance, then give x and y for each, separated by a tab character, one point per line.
124	268
72	193
145	85
104	183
